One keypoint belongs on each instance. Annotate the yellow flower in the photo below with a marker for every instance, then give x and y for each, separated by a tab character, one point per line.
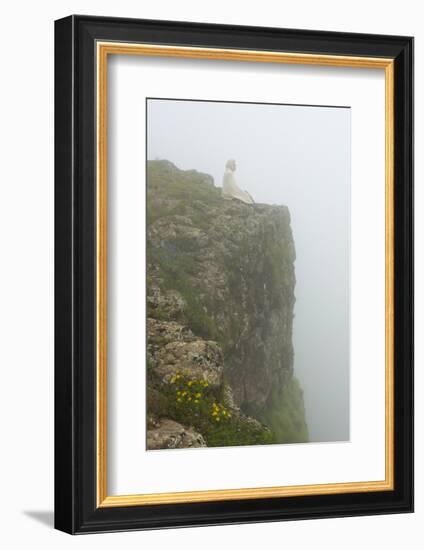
198	395
190	383
214	413
205	384
196	400
178	392
217	419
179	400
189	399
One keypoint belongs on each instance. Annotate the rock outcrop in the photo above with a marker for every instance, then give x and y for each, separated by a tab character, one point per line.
220	299
168	434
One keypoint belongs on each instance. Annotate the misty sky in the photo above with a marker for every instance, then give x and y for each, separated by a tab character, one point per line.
298	156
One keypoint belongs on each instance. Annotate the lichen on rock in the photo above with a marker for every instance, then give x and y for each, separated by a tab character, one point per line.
199	359
168	434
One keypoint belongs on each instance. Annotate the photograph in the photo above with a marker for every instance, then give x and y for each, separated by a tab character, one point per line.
233	254
247	273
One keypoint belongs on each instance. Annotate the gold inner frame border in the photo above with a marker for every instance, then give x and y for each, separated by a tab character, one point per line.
103	50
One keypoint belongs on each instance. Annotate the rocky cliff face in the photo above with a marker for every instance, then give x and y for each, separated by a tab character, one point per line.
220	309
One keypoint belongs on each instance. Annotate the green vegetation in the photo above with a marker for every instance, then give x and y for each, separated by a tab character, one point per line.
195	403
156	312
184	185
285	414
239	431
186	193
157	402
175	274
173	192
158	340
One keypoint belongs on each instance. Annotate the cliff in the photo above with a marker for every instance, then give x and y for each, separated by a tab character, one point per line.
220	299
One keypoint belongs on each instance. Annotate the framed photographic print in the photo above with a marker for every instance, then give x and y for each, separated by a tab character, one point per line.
234	274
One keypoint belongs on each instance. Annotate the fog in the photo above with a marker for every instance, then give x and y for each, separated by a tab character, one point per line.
298	156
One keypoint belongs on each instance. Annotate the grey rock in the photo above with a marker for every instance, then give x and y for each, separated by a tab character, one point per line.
199	359
168	434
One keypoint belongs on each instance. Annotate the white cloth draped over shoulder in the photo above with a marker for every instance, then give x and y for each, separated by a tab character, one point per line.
230	189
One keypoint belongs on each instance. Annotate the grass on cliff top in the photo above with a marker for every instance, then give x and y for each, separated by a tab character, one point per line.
166	180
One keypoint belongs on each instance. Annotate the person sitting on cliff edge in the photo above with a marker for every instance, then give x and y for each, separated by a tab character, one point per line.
230	189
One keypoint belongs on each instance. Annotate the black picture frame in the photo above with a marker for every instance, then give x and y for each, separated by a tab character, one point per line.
76	508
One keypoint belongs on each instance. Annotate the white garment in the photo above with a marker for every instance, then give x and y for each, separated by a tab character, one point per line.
230	189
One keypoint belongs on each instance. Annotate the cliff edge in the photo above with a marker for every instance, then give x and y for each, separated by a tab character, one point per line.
220	300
